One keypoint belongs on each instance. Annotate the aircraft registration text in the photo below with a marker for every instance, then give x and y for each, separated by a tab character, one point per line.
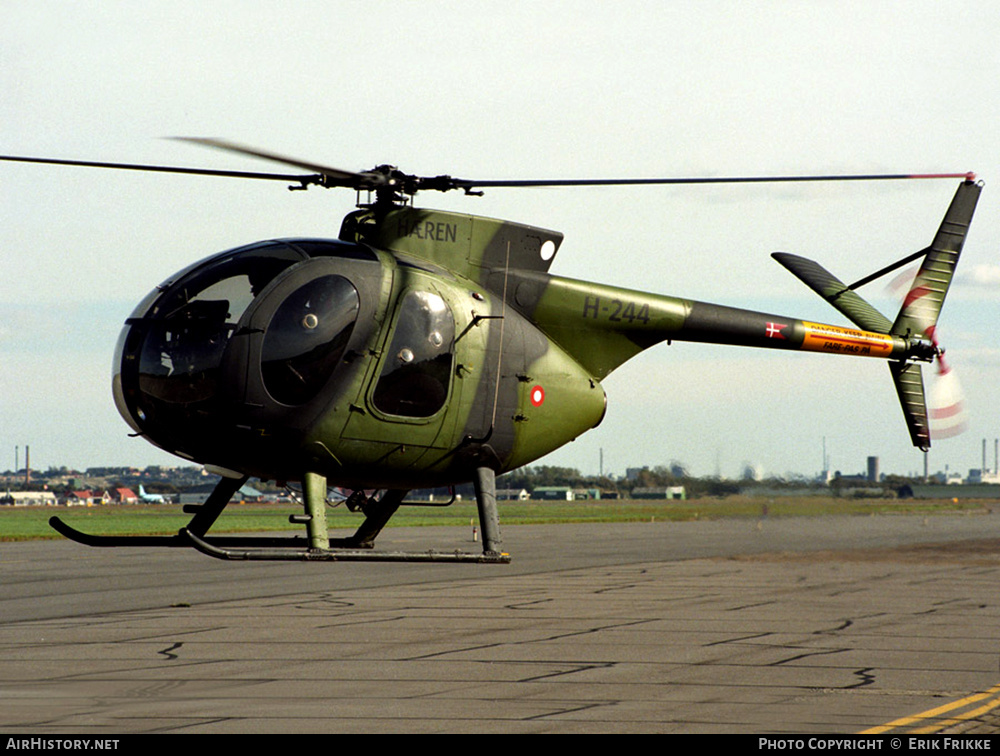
615	310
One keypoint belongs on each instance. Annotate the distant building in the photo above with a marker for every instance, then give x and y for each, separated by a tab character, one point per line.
200	494
28	499
677	493
123	496
873	470
633	473
977	477
86	498
553	493
513	494
678	470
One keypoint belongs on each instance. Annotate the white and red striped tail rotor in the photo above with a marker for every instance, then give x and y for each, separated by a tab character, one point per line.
946	411
945	400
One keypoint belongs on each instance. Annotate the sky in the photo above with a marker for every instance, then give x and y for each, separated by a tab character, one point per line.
514	90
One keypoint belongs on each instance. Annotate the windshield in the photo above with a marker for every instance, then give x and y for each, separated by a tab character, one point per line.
194	320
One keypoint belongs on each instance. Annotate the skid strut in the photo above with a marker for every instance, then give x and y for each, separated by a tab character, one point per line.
377	514
204	517
485	483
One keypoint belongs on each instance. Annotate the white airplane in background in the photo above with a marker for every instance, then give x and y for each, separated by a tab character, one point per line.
151	498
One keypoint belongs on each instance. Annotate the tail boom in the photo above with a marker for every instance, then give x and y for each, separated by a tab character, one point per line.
604	326
727	325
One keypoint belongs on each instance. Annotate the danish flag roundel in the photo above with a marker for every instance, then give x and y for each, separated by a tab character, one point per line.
537	396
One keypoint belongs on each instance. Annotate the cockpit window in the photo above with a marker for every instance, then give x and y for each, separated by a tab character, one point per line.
192	323
306	338
416	374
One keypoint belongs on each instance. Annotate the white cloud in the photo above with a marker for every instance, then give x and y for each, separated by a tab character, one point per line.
985	274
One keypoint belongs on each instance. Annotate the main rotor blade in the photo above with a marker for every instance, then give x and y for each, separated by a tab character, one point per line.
314	179
469	184
388	177
333	176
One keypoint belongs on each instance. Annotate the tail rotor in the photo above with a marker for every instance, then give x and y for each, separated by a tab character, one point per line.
945	400
942	413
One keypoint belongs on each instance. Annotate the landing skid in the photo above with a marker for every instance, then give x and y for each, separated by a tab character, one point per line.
181	540
317	546
214	548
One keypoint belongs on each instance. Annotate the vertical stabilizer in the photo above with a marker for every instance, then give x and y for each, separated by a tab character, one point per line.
917	319
918	316
919	313
909	381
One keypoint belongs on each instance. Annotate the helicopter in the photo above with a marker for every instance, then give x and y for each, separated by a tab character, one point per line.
423	348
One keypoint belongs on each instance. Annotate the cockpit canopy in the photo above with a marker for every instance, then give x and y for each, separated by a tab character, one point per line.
266	324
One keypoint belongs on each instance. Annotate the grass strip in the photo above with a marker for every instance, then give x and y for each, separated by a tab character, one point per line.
31	523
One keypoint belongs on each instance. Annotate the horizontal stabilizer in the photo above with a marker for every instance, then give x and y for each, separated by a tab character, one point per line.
909	381
849	303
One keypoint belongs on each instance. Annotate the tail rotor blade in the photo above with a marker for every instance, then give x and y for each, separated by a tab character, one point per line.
946	405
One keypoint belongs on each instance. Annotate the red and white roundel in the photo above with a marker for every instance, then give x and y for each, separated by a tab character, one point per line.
537	396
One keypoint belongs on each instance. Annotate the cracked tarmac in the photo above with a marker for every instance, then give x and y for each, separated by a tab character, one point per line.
797	630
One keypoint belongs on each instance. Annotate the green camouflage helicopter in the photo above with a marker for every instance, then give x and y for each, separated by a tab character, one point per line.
424	348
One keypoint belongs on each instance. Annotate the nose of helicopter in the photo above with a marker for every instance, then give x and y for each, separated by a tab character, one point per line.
259	329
